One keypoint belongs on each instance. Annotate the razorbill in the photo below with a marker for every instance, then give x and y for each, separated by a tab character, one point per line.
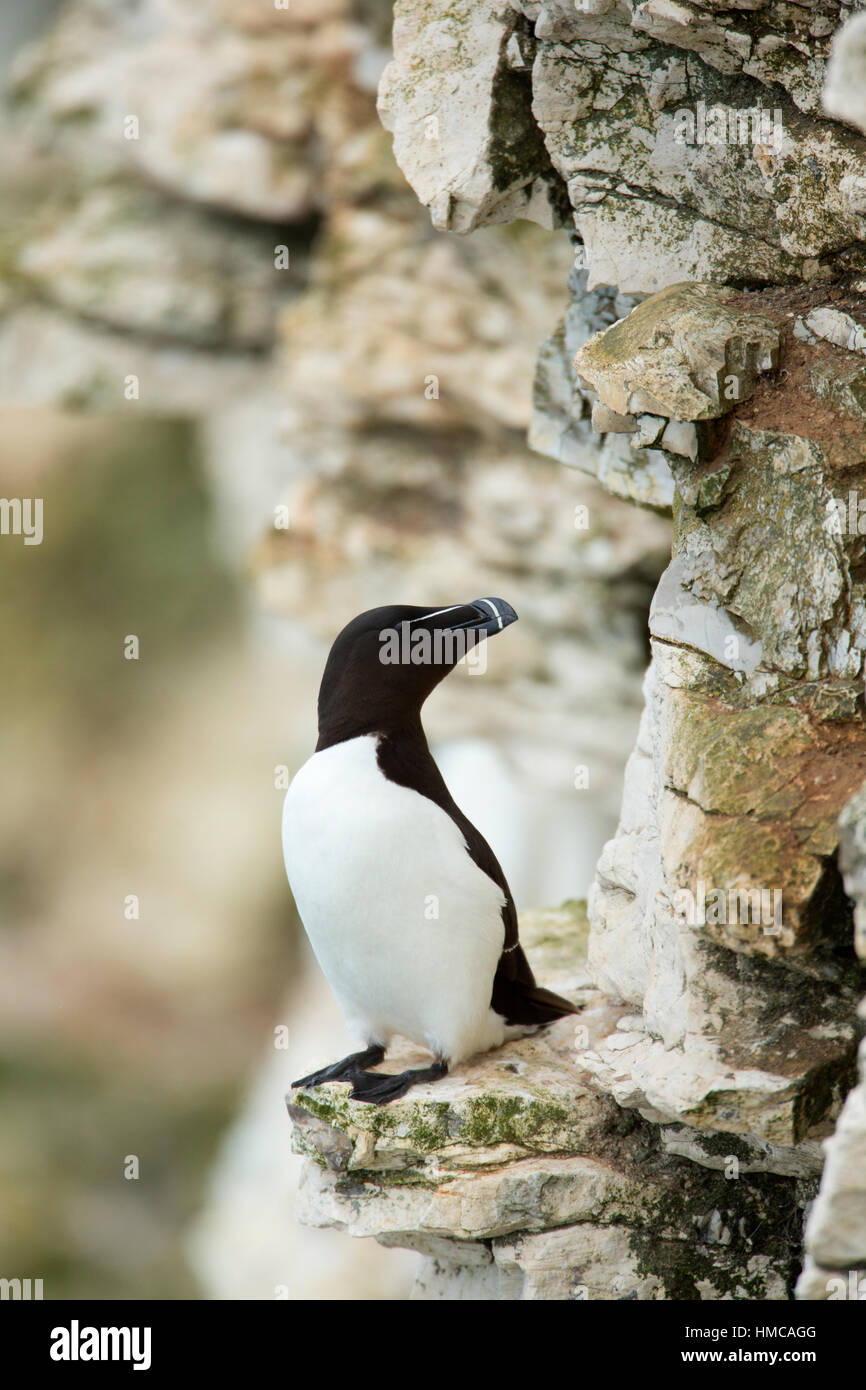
405	905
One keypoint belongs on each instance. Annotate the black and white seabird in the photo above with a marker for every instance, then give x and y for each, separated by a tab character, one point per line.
405	905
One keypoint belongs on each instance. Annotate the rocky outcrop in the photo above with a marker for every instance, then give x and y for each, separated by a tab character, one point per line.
566	422
472	499
753	738
711	362
472	172
516	1178
682	355
688	142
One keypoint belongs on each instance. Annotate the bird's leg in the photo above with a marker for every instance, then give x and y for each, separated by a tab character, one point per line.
379	1088
345	1070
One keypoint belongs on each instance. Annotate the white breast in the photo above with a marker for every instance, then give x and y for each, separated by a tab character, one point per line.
407	929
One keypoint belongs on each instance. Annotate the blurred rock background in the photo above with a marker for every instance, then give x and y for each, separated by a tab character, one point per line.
257	393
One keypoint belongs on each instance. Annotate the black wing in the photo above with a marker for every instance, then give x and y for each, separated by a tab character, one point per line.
405	758
515	996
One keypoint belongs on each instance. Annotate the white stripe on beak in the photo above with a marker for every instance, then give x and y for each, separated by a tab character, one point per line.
437	614
492	606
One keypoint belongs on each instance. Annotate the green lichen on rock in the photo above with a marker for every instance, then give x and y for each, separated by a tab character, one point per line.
744	1239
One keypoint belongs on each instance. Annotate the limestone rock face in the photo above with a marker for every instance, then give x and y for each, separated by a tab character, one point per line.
836	1229
752	743
462	118
690	145
689	142
722	1043
564	410
516	1178
683	354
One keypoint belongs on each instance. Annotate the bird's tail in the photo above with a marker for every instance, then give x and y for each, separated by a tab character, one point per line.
534	1004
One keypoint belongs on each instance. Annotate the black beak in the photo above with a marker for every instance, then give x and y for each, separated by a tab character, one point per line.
477	620
456	630
485	616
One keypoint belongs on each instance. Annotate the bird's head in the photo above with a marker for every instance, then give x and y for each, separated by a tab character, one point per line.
385	663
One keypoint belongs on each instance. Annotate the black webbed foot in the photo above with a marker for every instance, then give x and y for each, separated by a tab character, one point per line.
345	1070
378	1088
